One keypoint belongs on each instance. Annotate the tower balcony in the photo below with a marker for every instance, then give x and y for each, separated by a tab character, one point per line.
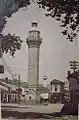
33	43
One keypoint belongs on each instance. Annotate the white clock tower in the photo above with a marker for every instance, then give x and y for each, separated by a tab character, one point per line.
33	41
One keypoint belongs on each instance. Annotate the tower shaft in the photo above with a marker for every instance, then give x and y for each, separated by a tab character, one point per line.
33	67
33	41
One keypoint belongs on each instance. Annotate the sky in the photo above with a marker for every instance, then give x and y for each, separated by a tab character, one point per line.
55	51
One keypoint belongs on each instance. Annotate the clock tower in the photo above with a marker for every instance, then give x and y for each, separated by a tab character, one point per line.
33	41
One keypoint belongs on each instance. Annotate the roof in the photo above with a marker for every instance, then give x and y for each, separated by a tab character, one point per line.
3	87
55	81
34	26
44	95
8	85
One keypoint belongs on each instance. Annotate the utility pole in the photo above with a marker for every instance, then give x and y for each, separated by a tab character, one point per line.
19	88
0	88
74	65
1	71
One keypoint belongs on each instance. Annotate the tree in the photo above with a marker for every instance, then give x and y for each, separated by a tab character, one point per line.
65	11
10	42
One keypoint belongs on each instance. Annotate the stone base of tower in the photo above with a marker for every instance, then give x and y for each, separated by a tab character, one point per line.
32	95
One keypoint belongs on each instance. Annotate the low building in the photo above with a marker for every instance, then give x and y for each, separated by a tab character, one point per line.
8	95
4	90
12	94
57	91
44	97
30	94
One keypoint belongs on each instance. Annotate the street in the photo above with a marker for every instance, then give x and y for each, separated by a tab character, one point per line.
36	112
50	108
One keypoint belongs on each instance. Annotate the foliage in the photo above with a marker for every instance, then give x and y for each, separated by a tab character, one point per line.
10	43
65	11
7	8
22	3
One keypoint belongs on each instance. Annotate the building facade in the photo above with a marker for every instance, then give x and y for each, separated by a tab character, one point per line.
11	94
57	91
8	94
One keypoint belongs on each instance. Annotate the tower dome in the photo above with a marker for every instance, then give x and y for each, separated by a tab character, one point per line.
34	38
34	26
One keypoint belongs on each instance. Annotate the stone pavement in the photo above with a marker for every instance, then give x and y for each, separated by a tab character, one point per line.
14	105
34	112
50	108
57	118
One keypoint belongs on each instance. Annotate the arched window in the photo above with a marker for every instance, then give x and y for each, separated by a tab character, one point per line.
30	98
56	88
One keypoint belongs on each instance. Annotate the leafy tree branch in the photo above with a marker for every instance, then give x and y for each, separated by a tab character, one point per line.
65	11
10	43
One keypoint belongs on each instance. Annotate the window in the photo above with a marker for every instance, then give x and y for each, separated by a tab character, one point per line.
56	89
2	69
30	98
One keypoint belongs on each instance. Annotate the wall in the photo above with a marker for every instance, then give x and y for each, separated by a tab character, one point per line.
33	66
58	89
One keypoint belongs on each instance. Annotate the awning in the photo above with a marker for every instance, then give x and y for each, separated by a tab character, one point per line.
3	88
44	95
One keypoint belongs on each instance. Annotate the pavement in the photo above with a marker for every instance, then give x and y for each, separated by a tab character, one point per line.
50	108
34	112
14	105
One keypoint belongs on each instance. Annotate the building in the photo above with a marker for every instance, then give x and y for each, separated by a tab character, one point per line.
44	94
14	82
33	41
4	89
57	91
44	97
10	93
